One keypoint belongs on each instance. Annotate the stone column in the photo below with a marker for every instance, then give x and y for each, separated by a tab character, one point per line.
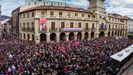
89	35
48	37
96	35
37	34
37	39
30	37
58	37
75	36
67	36
83	35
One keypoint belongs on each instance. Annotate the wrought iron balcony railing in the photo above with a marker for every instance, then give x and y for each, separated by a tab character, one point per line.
53	30
28	29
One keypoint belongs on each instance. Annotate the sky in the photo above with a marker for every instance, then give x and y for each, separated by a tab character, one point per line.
122	7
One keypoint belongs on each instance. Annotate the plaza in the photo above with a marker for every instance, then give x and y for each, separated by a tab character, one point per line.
56	37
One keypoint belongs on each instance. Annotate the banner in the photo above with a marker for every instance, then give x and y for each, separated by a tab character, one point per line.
42	24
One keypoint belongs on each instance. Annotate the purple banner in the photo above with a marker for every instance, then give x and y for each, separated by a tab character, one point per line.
71	29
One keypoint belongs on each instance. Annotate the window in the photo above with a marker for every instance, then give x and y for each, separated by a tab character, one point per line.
71	24
109	19
28	26
88	16
82	15
62	24
32	14
32	25
52	25
24	25
32	37
69	14
93	26
109	26
86	25
24	36
60	13
112	19
94	16
27	15
100	17
79	25
20	25
76	14
24	15
51	13
42	14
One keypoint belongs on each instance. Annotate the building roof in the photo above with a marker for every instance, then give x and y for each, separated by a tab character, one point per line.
63	8
16	10
118	16
5	21
130	19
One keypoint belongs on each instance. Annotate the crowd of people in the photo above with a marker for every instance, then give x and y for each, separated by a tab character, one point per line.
82	57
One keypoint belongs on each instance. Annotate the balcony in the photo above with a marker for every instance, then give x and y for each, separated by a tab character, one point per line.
60	16
103	27
51	16
43	31
87	29
28	29
53	30
109	29
93	29
113	29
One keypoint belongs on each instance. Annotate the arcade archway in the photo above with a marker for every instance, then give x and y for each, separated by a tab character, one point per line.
62	36
109	33
86	35
43	37
112	33
115	33
102	34
79	36
92	34
118	33
53	37
71	36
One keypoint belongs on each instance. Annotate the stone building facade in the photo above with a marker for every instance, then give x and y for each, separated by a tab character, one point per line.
15	21
63	22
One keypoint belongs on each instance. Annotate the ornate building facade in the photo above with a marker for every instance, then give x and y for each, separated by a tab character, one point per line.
53	21
130	28
0	24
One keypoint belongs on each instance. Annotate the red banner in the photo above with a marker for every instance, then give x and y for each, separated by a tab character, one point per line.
43	24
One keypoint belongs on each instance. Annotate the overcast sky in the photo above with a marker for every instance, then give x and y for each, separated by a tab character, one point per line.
123	7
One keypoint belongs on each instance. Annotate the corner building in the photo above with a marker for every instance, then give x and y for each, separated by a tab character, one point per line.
65	22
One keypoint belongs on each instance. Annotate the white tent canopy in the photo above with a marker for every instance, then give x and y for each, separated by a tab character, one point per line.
123	54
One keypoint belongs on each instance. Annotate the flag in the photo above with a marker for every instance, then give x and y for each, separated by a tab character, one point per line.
42	24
